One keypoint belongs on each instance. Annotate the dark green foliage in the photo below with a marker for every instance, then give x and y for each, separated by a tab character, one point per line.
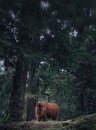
5	91
57	39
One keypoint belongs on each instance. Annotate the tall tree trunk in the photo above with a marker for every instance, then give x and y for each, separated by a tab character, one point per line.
32	91
84	104
18	93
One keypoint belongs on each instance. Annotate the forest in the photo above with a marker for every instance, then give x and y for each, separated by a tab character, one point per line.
47	53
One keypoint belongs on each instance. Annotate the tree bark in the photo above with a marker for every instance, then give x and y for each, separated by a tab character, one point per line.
32	91
84	103
16	104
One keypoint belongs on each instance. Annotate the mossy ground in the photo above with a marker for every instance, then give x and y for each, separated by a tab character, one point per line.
86	122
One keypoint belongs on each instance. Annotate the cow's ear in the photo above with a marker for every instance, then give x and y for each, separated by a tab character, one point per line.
38	104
